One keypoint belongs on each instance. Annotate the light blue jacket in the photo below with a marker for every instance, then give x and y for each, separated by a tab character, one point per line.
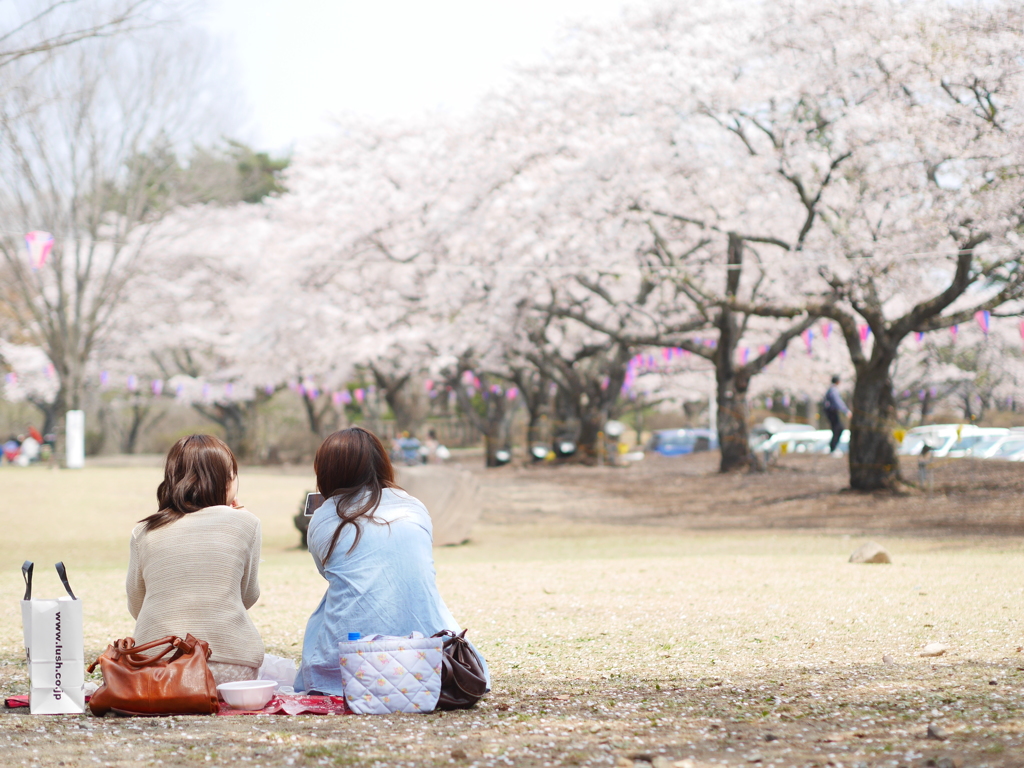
386	585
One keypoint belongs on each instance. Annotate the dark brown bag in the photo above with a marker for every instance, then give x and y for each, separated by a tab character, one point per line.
463	681
138	684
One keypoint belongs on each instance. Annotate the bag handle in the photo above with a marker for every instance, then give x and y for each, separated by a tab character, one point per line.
26	572
132	654
63	573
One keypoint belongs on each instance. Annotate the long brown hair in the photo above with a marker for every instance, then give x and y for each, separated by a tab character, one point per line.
196	475
347	464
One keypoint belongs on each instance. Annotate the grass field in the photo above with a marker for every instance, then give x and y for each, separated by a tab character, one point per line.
606	643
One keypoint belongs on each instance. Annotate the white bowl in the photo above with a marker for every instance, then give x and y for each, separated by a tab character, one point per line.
247	694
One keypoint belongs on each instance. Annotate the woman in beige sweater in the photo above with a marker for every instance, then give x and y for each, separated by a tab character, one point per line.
194	564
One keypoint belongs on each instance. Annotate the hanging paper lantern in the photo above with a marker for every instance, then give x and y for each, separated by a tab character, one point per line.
133	383
512	393
336	398
808	337
984	318
11	379
104	378
826	330
745	355
269	389
429	385
954	330
360	395
179	391
864	331
39	245
919	336
157	386
346	397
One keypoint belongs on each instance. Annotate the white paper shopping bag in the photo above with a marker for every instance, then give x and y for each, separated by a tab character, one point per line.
56	651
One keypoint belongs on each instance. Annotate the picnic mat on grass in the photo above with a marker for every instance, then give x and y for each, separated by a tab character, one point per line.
282	704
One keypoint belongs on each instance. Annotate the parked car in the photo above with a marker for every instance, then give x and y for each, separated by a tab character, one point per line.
679	442
940	438
804	441
773	426
1010	449
990	444
984	435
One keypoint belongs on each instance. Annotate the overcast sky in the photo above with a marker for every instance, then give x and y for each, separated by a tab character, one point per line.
301	61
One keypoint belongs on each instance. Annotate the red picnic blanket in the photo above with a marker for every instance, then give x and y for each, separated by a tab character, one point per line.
282	704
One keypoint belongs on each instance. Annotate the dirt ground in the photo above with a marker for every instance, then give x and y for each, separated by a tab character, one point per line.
654	615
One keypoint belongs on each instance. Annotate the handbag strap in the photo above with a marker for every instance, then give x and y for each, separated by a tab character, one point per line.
63	573
26	573
133	654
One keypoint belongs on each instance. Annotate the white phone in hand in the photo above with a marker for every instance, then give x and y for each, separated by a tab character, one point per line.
313	503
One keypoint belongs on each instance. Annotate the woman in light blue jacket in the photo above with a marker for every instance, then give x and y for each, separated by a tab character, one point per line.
373	543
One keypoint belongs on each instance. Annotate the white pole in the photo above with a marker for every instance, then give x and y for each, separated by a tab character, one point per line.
74	438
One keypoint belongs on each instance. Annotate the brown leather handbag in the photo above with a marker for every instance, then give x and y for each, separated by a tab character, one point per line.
463	682
135	683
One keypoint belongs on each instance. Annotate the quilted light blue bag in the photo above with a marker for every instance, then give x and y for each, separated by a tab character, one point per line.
383	674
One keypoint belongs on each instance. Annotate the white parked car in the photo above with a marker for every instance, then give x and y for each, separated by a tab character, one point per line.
939	437
804	441
773	426
1010	449
966	445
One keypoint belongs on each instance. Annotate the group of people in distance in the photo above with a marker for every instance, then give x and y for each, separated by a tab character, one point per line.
22	450
194	563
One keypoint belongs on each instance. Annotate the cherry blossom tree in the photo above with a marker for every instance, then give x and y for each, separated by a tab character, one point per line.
88	144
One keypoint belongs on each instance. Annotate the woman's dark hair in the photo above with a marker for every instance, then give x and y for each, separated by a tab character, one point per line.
196	475
349	464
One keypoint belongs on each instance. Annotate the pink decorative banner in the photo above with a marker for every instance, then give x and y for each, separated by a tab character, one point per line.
39	245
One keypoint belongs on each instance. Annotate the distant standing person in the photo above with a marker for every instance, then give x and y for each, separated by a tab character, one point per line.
833	405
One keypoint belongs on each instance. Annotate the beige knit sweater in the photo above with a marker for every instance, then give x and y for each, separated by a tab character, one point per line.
199	575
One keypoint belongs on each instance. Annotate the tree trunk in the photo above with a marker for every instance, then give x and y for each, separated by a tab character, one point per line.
731	391
591	425
492	444
50	412
238	420
874	464
733	429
